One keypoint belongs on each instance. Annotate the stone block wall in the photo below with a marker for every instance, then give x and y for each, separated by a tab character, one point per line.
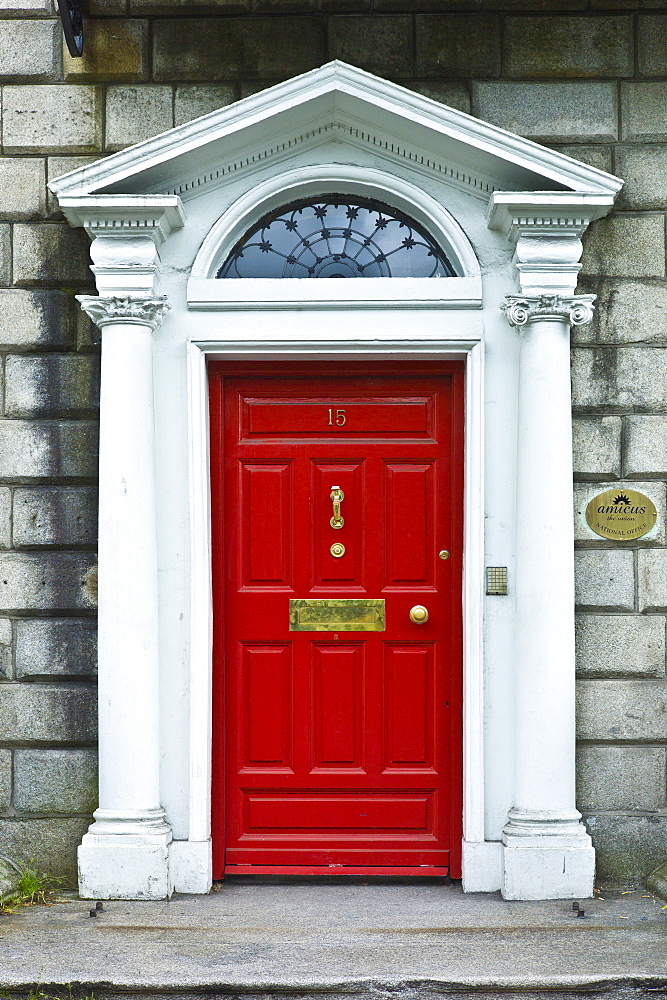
585	76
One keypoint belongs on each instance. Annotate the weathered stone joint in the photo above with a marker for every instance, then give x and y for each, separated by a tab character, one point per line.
105	310
522	309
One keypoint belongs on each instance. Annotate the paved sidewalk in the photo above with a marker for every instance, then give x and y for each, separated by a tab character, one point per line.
363	939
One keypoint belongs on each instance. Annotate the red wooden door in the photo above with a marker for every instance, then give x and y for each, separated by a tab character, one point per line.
341	749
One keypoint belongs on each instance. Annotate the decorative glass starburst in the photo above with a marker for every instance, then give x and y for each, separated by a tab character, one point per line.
335	236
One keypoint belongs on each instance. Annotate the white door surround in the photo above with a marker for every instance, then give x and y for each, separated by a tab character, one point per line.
162	216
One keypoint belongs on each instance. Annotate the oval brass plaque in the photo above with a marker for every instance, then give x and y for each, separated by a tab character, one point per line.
621	514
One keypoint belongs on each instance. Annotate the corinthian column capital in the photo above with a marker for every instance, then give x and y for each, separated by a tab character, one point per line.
574	309
104	310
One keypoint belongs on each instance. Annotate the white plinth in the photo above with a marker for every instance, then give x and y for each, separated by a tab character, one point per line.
191	865
132	863
548	868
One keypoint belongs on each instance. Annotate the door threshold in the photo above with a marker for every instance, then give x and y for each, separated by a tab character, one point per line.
414	871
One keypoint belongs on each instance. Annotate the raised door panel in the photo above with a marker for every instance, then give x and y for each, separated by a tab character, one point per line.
329	572
267	699
410	702
338	712
266	534
409	526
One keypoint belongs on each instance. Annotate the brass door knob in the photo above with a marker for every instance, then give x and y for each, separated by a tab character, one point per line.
418	614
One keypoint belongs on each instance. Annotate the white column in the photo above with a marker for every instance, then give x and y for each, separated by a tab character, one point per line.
547	851
125	853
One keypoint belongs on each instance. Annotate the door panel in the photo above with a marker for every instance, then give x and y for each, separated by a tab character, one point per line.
337	749
409	525
266	708
337	729
410	701
266	537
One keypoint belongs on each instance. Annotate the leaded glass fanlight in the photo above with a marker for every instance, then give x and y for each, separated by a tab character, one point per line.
336	236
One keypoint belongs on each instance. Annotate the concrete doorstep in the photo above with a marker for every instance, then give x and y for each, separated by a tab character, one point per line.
336	940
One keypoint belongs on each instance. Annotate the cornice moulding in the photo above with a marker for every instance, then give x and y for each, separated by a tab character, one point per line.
332	94
156	216
546	212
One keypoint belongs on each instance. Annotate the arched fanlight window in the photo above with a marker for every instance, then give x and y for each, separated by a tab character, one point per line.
336	236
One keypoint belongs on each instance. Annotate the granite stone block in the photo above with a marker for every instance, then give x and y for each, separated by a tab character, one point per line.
36	449
55	515
377	44
614	778
29	50
22	187
620	645
626	312
454	95
644	169
550	112
5	663
457	45
30	449
50	843
169	8
627	246
52	119
645	445
36	713
51	253
644	111
5	649
5	518
652	579
257	48
47	581
620	378
628	847
604	578
199	99
652	44
56	647
55	781
613	710
596	445
39	318
5	254
5	779
136	113
569	47
25	8
114	50
51	385
599	157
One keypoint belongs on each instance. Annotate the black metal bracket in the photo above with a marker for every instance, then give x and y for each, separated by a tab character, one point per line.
71	19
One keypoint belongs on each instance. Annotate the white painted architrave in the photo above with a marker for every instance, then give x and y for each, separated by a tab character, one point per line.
378	343
151	210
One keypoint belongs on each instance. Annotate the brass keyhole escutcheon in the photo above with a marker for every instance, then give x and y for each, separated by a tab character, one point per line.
443	554
337	550
419	614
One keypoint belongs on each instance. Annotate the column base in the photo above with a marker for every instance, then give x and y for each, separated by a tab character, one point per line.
126	856
547	856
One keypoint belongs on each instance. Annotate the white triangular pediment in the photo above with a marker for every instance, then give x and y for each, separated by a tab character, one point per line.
335	103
